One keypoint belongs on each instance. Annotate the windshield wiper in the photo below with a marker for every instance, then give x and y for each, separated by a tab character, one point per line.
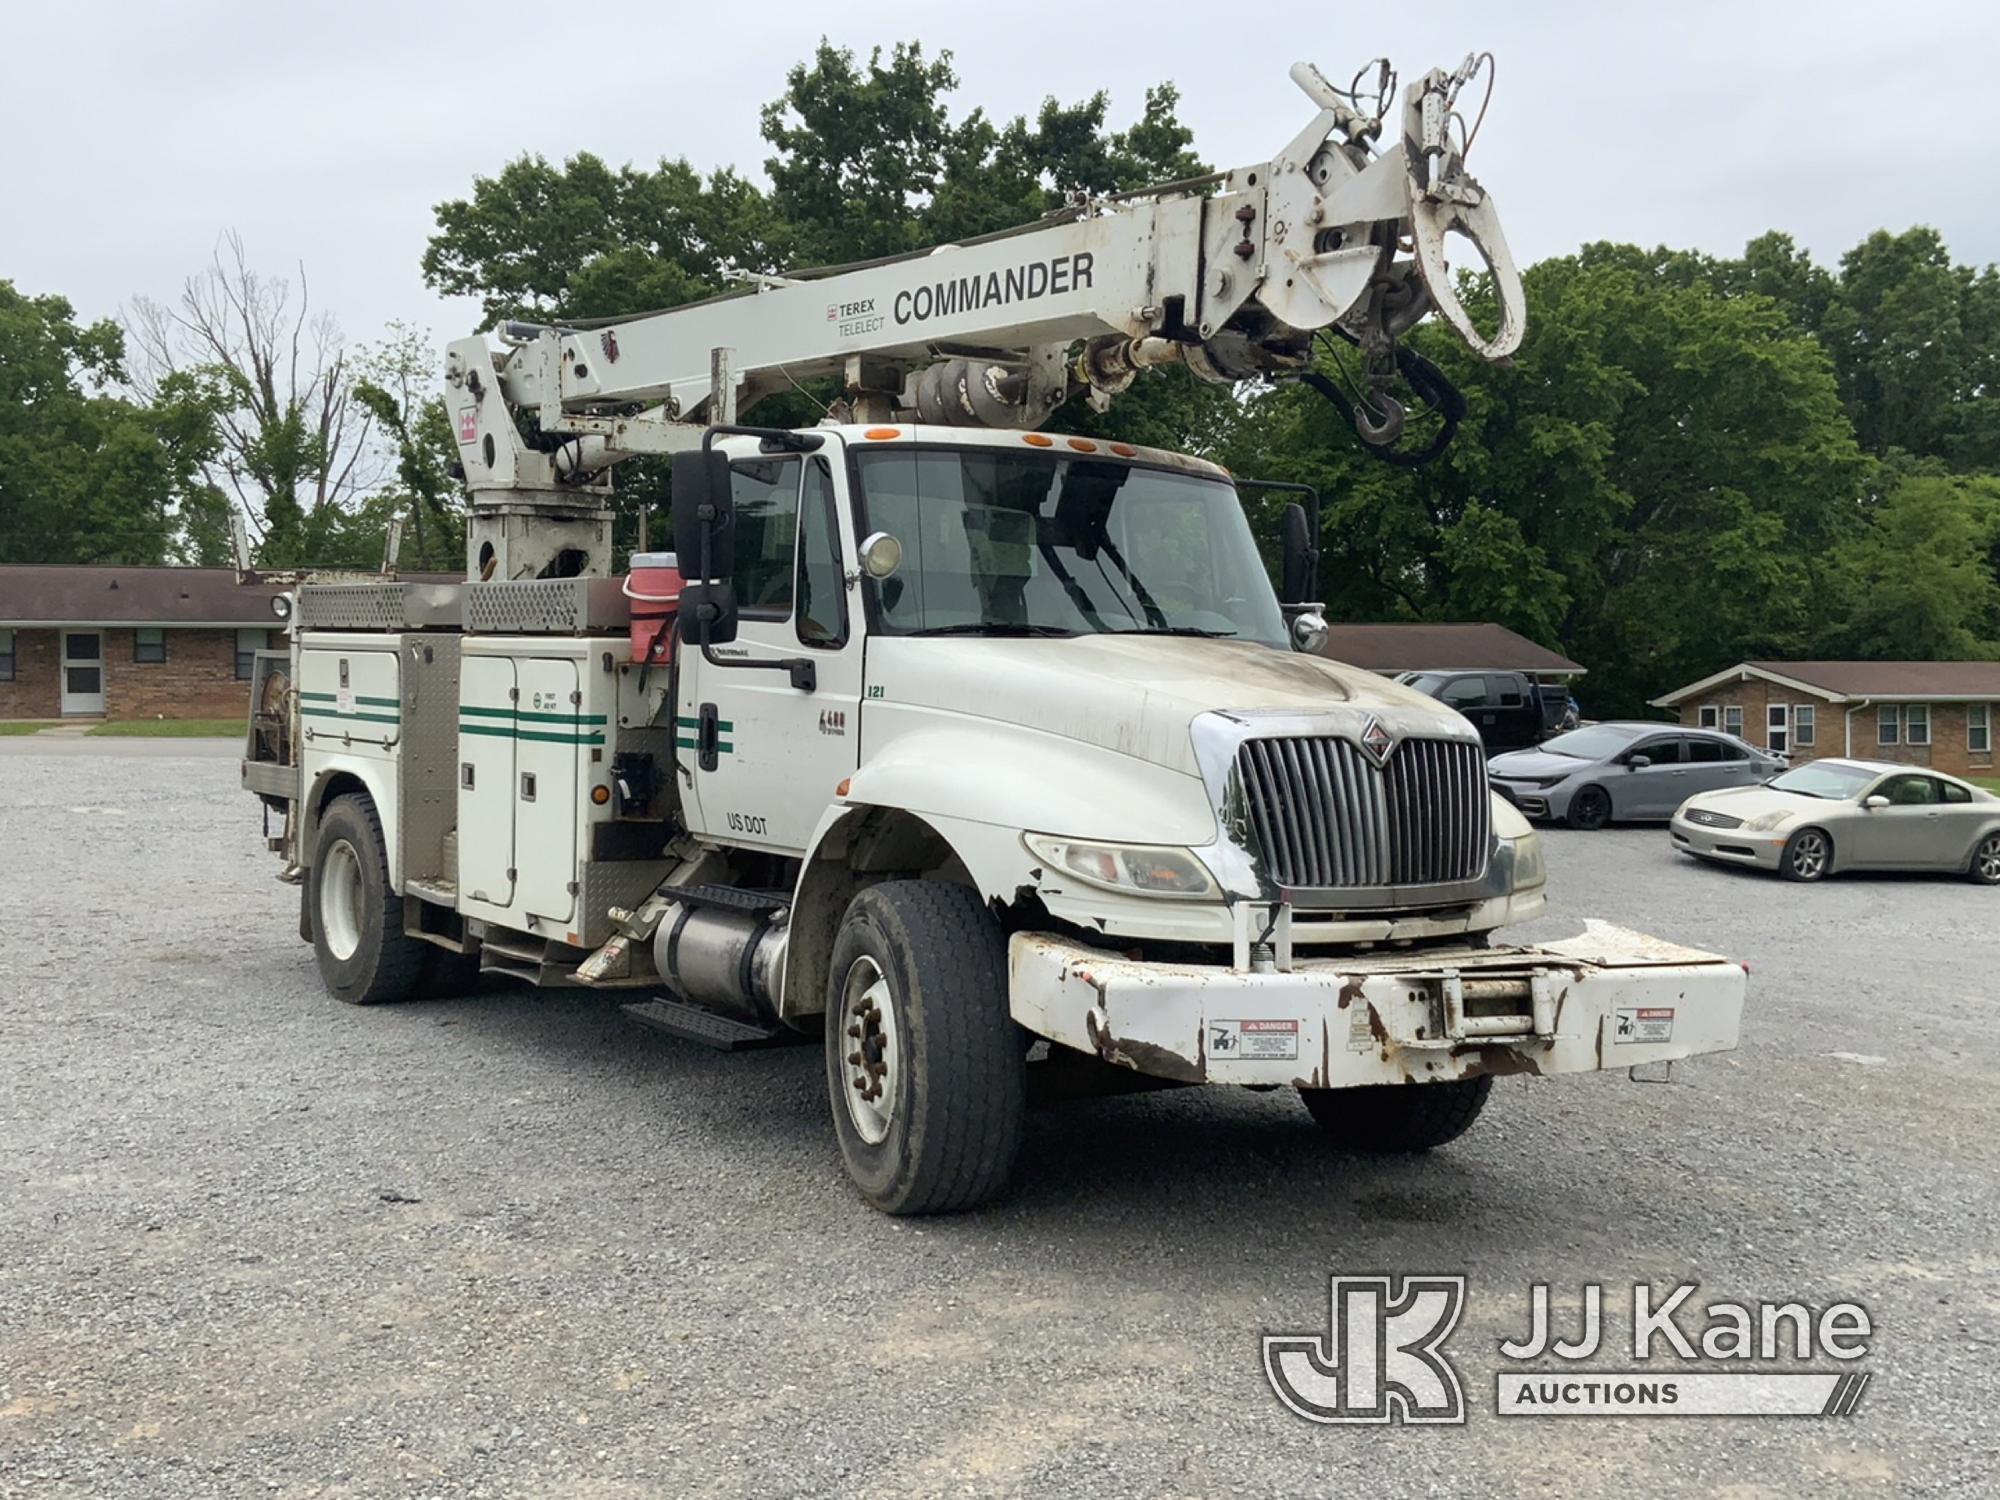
994	627
1170	630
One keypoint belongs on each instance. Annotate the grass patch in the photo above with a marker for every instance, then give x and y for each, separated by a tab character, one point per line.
22	726
172	729
1991	783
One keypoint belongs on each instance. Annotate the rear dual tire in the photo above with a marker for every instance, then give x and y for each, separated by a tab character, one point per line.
364	956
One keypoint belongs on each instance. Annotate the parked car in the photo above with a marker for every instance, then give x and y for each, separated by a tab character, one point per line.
1504	707
1833	815
1625	772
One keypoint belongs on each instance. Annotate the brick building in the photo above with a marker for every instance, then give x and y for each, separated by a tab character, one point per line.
129	643
1940	714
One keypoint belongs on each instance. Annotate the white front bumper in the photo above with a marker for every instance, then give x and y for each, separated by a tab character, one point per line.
1609	999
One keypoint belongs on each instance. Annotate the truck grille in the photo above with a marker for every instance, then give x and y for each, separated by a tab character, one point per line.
1322	814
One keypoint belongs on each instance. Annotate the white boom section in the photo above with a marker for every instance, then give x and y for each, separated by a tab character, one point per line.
1230	275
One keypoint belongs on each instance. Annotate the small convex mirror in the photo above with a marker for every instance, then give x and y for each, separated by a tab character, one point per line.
1308	632
881	555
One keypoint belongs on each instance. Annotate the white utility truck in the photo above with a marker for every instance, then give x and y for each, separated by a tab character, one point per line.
968	748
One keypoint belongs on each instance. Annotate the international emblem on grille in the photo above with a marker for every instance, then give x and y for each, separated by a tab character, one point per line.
1376	740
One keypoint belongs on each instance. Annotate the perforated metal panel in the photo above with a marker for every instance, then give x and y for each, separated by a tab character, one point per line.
428	805
625	883
547	606
378	606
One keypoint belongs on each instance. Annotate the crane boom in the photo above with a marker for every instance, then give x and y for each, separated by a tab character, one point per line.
1232	275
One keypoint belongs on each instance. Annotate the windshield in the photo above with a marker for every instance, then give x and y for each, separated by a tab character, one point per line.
1596	742
1836	783
1005	543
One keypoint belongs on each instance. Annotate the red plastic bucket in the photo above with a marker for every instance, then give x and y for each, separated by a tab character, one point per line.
653	584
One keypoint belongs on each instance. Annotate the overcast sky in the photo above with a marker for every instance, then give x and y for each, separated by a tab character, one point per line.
325	134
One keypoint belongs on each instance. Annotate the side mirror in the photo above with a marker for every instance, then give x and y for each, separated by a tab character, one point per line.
1637	762
704	519
1300	550
1875	803
881	555
1308	632
705	544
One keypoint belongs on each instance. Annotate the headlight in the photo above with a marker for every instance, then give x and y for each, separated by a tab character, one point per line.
1768	822
1529	870
1134	869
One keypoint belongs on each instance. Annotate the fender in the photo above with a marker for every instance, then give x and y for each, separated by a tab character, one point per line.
378	779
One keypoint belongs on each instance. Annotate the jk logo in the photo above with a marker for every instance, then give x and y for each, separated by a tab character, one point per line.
1380	1361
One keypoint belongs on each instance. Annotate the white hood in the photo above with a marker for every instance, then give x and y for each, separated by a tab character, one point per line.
1133	694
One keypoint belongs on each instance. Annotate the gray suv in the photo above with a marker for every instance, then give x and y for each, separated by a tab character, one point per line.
1604	773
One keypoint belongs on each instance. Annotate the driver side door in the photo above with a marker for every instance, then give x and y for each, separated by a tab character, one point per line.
766	756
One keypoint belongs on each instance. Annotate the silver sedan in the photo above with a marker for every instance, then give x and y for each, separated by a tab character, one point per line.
1848	815
1626	771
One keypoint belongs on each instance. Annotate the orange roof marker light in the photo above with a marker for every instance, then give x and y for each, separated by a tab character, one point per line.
1124	450
1038	440
1083	445
879	434
841	790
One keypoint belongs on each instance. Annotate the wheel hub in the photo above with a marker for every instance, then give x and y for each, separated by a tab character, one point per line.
868	1039
341	893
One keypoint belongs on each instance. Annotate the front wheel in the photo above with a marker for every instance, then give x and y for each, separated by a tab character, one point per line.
1985	867
1808	855
926	1070
1390	1119
357	920
1590	808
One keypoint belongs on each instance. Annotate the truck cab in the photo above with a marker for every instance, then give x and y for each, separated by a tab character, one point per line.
969	745
1505	709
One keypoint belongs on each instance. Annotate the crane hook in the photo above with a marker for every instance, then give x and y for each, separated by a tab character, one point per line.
1385	432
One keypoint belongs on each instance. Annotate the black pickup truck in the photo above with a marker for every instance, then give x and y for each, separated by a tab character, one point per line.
1506	708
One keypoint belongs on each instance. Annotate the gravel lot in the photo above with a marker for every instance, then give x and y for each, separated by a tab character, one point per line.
254	1242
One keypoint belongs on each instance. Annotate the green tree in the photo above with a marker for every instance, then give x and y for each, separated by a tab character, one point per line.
291	446
1917	581
86	474
397	386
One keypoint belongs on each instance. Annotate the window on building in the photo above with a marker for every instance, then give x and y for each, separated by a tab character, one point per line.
766	496
1978	728
1778	728
1732	718
248	644
1708	716
822	581
1916	723
1889	724
6	656
149	644
1803	727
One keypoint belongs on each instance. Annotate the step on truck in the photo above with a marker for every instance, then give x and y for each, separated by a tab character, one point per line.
965	748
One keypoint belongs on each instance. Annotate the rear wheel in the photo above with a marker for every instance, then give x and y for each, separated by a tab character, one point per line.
925	1068
1808	855
1590	808
1986	860
1398	1118
364	957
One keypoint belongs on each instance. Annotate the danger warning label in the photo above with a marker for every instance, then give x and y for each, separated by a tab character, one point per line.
1265	1039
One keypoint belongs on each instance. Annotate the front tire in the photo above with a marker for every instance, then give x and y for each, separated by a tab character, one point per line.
1391	1119
364	956
1985	866
926	1071
1590	808
1808	855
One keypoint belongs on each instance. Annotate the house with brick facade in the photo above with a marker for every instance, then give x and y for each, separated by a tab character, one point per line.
129	643
1940	714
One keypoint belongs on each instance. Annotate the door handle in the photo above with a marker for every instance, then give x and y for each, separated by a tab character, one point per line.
707	738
